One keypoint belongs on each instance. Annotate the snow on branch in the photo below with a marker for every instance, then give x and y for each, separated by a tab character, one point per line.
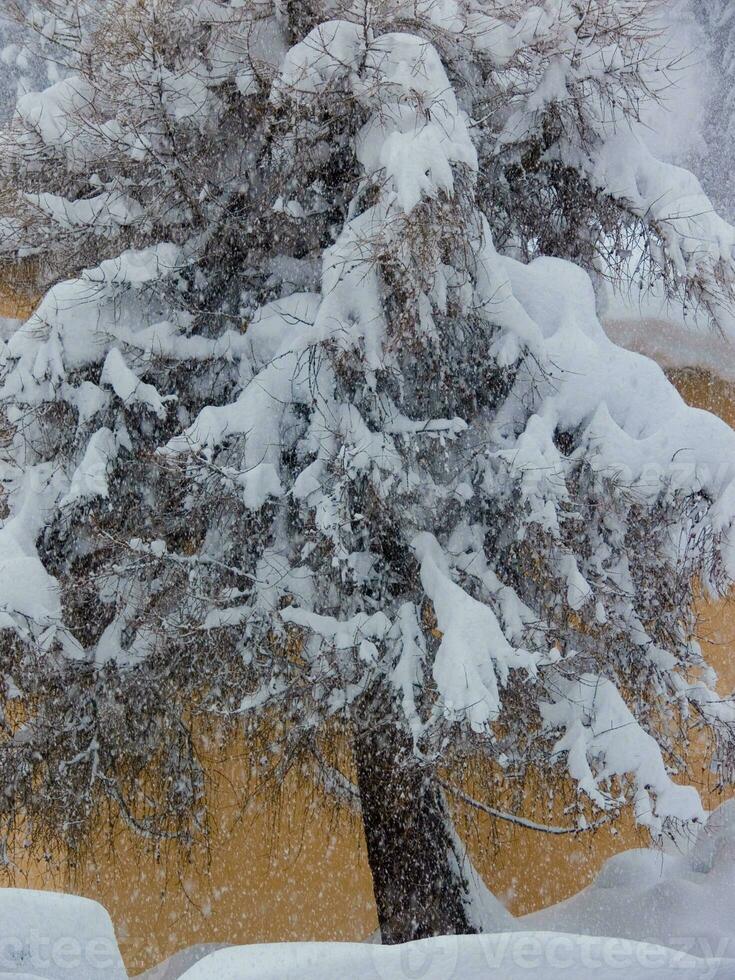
474	656
602	739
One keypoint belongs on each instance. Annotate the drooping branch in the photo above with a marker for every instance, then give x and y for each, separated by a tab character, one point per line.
519	821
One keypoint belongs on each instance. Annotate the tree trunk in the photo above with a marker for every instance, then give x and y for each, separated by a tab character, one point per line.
420	875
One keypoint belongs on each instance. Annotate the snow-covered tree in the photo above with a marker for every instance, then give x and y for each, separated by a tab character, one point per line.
316	443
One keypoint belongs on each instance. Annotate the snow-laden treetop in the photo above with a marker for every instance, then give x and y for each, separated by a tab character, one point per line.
317	437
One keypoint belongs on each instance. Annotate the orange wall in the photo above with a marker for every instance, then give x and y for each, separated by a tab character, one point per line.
15	303
298	872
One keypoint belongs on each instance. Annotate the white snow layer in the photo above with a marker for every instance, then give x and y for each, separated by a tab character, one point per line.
684	900
49	936
502	956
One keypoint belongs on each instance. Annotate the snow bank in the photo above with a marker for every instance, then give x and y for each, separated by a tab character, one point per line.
49	936
685	901
510	956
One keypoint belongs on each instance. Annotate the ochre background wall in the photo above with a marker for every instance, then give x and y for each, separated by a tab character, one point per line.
17	301
297	871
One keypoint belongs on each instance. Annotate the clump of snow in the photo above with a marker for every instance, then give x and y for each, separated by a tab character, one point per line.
127	386
328	54
46	119
138	265
27	591
692	232
90	477
108	209
51	936
416	132
634	422
474	654
598	725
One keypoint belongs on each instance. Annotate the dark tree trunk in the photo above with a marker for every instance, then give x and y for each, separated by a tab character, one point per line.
417	864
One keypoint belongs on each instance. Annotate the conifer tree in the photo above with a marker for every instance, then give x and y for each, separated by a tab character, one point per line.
312	433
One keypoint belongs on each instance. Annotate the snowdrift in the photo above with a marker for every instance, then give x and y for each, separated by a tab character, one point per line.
681	900
56	937
505	956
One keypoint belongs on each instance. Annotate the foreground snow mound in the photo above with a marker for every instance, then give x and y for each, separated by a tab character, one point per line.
56	937
510	956
685	901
